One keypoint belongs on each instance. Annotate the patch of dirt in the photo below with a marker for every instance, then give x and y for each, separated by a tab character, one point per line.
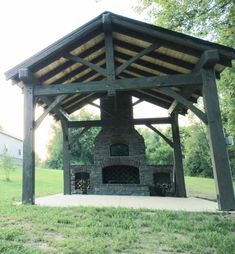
41	245
54	235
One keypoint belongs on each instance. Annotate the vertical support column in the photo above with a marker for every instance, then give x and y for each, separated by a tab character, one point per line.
66	157
109	55
180	189
28	194
109	52
220	161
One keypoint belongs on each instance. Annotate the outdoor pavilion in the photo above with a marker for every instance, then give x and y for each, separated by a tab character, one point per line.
112	53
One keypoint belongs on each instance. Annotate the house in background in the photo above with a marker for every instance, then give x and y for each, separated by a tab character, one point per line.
13	145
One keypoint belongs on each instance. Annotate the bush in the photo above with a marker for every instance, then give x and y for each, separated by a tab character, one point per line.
7	164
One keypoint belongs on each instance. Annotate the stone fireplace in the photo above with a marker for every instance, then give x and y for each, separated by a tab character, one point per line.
119	157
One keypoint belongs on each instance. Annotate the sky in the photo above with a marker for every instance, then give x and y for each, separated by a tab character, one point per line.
28	26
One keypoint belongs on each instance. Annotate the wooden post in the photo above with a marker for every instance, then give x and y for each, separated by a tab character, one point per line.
66	157
28	194
220	161
180	190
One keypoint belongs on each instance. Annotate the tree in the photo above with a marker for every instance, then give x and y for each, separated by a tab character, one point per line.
208	19
81	146
7	164
157	150
197	160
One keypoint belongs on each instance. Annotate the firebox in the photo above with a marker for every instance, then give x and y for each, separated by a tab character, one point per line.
120	166
120	174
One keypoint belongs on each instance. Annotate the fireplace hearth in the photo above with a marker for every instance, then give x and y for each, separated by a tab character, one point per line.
120	166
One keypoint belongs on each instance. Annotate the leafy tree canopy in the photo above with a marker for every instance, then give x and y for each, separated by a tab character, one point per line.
212	20
81	145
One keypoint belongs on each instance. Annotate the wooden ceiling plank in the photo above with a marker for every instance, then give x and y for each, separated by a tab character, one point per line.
145	51
181	39
66	65
155	55
78	70
147	64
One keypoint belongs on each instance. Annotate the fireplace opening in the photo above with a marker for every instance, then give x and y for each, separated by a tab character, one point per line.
119	150
162	183
82	182
120	174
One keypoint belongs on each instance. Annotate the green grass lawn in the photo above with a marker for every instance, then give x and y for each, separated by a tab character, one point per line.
33	229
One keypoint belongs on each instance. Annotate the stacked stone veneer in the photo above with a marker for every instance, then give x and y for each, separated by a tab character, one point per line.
118	130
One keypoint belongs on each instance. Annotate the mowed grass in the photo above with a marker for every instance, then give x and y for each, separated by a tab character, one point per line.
33	229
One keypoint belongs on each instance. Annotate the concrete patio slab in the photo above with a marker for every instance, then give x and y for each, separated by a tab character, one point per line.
189	204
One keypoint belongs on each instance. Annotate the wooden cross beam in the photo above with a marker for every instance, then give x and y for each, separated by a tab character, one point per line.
201	115
137	102
54	104
28	77
176	106
167	140
207	60
181	80
137	121
94	67
57	109
109	51
145	51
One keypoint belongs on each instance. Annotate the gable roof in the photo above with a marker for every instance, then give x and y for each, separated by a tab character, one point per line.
177	53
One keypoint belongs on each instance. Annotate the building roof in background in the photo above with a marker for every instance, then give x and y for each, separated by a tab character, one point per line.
11	136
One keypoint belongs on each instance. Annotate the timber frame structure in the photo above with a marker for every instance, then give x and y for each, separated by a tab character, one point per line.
112	53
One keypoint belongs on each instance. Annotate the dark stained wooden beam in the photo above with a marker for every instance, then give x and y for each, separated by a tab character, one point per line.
167	140
219	155
85	124
28	193
208	59
109	50
201	115
66	158
55	103
147	121
150	99
58	110
120	85
137	102
145	51
28	77
95	67
180	189
176	106
137	121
